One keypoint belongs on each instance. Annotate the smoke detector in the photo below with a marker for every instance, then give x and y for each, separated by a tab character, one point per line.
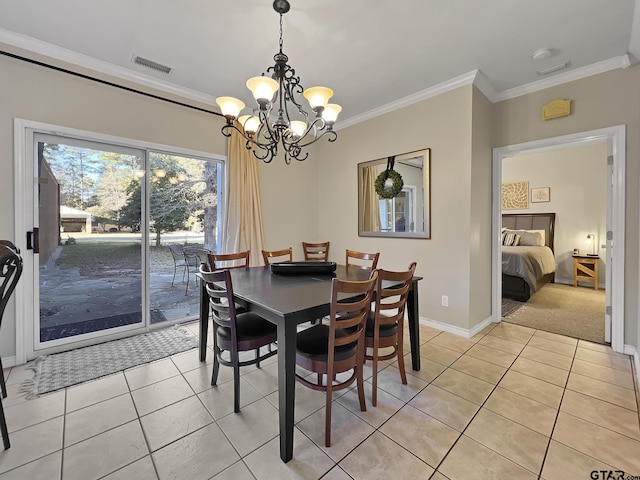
542	54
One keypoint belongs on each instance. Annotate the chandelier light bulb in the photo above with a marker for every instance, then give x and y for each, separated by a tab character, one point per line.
297	128
331	112
230	106
161	173
182	177
318	96
251	125
139	173
262	88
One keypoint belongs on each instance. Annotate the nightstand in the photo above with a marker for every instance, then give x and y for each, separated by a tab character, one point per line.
585	269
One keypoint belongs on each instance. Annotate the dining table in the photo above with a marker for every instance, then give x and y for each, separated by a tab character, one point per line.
286	301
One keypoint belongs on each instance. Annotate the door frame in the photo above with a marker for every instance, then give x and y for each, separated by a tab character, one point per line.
23	136
615	139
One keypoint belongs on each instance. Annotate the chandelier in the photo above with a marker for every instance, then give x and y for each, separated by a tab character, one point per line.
279	119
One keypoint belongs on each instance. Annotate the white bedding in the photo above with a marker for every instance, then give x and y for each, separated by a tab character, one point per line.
530	263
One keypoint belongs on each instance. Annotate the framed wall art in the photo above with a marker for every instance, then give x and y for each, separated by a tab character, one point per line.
515	195
541	194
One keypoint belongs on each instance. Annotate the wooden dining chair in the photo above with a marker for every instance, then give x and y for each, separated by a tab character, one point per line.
10	272
235	332
385	324
228	260
316	251
367	261
339	346
267	255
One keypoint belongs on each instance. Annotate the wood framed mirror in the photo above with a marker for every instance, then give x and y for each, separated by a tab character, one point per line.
407	215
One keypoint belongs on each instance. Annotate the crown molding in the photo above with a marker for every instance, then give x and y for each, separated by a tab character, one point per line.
53	51
434	91
614	63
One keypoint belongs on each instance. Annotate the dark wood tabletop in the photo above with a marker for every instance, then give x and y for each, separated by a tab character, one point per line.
287	300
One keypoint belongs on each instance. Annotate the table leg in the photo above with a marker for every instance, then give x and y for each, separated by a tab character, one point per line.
204	320
286	386
414	328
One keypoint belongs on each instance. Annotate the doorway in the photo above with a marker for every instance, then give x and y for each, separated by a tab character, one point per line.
612	253
102	216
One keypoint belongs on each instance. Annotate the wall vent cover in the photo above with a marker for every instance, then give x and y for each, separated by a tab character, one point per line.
145	62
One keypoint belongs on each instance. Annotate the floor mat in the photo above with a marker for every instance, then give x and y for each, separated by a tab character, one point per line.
53	372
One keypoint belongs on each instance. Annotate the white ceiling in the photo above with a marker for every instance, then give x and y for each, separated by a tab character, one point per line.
374	54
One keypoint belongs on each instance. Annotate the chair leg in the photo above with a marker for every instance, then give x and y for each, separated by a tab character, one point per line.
3	428
374	379
175	267
236	381
3	385
216	362
360	378
186	290
327	422
400	356
257	357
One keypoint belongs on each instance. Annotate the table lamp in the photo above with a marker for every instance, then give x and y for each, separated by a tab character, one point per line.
591	240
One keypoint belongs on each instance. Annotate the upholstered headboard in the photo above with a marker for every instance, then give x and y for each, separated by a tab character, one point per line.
532	221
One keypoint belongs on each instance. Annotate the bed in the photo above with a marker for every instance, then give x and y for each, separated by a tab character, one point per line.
526	269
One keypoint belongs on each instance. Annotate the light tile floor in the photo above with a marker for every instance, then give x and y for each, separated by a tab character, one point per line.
511	402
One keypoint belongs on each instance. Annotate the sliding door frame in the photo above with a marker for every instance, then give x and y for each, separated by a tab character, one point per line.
24	134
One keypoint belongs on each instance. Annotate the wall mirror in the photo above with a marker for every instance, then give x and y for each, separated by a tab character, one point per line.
408	215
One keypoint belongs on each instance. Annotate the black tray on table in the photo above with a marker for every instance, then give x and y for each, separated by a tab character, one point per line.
303	268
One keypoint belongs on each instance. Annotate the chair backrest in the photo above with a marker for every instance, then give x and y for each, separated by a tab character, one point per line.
392	298
228	260
194	255
10	272
267	254
176	252
350	314
316	251
364	257
220	291
11	245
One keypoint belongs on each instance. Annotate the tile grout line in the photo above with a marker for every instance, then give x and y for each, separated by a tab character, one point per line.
555	421
480	408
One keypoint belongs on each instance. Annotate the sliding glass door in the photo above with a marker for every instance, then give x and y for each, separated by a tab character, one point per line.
90	265
118	235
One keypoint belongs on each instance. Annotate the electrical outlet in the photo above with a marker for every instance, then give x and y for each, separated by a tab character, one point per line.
445	301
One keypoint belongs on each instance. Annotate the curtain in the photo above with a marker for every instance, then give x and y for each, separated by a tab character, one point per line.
370	200
244	210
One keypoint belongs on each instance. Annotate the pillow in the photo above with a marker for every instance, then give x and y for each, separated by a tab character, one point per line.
510	239
532	238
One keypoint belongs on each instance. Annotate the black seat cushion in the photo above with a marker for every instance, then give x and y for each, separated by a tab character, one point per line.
387	330
313	343
249	327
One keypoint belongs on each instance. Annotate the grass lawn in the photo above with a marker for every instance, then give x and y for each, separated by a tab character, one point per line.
112	259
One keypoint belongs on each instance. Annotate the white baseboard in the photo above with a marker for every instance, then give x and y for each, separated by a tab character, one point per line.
461	332
633	351
9	361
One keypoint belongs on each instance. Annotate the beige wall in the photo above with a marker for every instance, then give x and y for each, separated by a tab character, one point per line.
600	101
289	196
577	178
443	124
480	211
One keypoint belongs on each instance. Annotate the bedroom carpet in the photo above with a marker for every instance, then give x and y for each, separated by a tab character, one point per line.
566	310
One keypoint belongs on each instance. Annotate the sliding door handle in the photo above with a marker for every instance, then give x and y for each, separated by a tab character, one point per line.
33	240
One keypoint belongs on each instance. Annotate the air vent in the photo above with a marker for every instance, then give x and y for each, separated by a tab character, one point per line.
145	62
555	68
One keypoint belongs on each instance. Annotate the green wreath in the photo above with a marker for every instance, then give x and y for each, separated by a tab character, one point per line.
395	188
